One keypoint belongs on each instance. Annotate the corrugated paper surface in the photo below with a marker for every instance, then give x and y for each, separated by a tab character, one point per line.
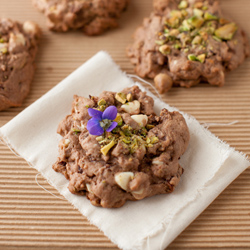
31	218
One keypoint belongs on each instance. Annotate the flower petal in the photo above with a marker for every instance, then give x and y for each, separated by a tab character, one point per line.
95	113
112	126
94	127
110	113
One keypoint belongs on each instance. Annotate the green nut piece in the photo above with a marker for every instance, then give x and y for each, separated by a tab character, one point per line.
106	148
101	102
160	42
185	26
183	4
198	12
197	40
196	21
201	58
192	57
173	22
118	119
216	39
2	40
165	49
208	16
226	32
121	97
99	138
174	32
176	14
126	140
154	140
149	126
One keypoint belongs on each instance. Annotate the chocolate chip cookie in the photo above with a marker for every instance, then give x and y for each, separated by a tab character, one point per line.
187	42
18	48
93	17
115	148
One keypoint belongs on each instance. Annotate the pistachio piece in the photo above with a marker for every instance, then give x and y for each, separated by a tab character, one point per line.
142	120
121	97
149	126
192	57
196	21
122	179
216	39
163	82
101	102
99	138
173	22
129	97
165	49
209	16
176	13
223	21
185	26
160	42
183	4
106	148
174	32
197	40
4	50
132	108
201	58
118	119
226	32
198	12
138	194
154	140
184	13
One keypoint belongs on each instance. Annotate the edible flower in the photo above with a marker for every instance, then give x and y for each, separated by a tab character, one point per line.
102	121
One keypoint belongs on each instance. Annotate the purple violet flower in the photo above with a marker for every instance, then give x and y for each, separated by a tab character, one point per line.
101	121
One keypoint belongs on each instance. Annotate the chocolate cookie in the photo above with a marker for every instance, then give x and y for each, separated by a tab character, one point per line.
187	42
124	152
93	17
18	48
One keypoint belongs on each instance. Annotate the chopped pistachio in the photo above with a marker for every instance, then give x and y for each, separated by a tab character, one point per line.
165	49
77	130
86	106
192	57
197	40
126	140
209	16
177	46
4	50
2	40
154	140
149	145
160	42
186	50
149	126
173	22
184	13
226	32
204	8
174	32
196	21
183	4
148	140
121	97
198	12
185	26
176	13
99	138
216	39
129	97
102	107
166	31
201	58
101	102
106	148
118	119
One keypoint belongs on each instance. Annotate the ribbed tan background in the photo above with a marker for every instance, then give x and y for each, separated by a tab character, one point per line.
31	218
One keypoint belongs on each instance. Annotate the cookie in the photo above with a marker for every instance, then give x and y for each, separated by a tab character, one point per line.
18	48
93	17
115	148
187	42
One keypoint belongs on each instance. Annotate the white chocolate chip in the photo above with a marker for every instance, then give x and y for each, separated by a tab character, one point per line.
138	194
142	120
66	142
89	188
123	178
132	108
30	27
157	162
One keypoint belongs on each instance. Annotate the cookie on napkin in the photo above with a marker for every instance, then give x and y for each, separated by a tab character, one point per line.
152	223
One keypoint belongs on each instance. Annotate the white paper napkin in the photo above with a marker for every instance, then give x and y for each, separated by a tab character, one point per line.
210	165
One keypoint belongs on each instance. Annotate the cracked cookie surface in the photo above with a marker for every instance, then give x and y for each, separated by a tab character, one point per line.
189	42
93	17
139	158
18	48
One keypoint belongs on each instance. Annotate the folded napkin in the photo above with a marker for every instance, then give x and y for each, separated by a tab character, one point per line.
210	165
